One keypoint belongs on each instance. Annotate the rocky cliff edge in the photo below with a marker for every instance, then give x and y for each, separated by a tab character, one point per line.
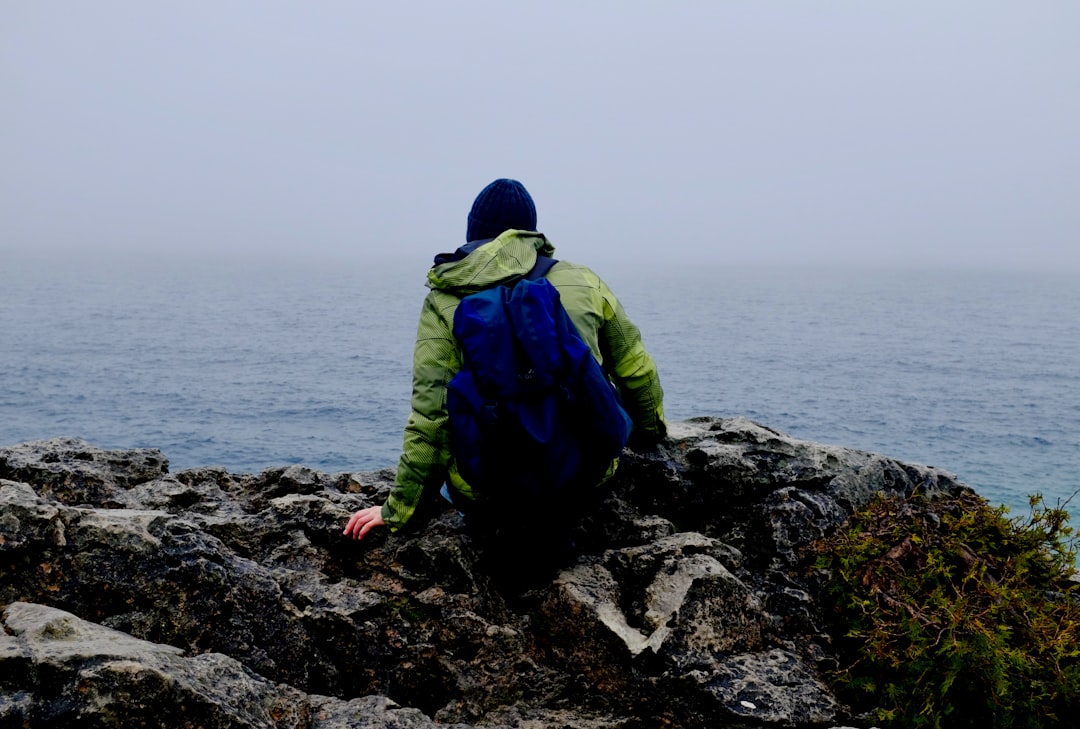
133	596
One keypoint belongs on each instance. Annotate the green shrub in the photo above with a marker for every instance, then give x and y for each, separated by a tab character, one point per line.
947	614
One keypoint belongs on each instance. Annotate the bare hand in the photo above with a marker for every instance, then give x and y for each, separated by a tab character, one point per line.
364	521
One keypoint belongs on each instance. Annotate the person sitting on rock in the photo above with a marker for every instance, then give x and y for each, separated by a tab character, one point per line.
502	247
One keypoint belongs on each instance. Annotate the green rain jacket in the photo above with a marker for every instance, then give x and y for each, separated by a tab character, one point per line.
426	462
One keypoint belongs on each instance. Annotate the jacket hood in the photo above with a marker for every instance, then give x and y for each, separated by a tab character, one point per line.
501	260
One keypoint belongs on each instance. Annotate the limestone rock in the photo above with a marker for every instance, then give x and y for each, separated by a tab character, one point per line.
206	598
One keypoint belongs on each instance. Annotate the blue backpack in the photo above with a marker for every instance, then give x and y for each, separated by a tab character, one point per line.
532	416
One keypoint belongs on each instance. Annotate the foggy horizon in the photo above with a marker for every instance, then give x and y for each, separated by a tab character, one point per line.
915	135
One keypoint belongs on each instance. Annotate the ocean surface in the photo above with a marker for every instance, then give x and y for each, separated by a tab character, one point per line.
255	364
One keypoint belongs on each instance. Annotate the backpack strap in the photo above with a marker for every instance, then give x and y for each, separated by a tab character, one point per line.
540	268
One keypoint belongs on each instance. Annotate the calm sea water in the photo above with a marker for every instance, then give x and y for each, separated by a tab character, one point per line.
259	364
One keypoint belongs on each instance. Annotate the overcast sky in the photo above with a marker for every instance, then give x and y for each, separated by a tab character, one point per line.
914	133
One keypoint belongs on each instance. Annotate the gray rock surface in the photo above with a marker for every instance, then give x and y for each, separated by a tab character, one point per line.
133	596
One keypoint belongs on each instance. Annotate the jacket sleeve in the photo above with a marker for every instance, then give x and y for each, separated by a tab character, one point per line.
425	449
632	369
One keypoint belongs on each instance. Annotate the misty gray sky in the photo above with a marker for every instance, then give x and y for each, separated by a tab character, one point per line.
912	133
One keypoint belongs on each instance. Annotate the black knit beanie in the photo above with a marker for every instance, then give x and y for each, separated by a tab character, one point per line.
502	205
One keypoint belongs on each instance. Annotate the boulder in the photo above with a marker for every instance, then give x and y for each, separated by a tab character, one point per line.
206	598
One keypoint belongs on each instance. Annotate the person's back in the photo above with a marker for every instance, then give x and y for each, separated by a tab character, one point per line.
502	248
533	417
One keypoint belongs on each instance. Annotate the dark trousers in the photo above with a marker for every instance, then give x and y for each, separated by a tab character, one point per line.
522	545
